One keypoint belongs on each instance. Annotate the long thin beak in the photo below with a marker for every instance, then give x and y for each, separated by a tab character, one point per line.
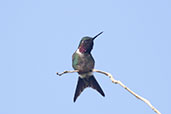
97	35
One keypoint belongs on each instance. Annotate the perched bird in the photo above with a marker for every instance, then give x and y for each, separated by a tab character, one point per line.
83	61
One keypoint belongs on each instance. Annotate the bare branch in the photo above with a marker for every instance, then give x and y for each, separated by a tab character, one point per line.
121	84
129	90
60	74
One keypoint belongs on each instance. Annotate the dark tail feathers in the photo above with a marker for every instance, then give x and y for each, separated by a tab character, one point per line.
87	82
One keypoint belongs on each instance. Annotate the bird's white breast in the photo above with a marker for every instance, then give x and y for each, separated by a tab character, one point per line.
79	53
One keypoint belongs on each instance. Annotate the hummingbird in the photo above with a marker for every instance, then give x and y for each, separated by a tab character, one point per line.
83	61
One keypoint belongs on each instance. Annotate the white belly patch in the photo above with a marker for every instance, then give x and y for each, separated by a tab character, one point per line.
86	75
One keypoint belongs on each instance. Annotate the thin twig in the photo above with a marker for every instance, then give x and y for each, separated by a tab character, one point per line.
120	83
129	90
60	74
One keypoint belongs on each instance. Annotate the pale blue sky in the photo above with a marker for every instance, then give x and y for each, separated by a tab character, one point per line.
38	37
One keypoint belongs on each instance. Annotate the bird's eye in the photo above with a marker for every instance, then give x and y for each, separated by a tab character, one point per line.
85	41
